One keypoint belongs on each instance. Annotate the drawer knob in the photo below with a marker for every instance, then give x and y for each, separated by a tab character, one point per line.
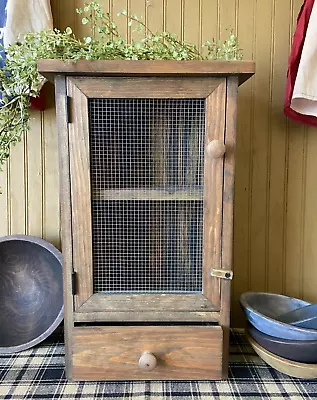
216	149
147	361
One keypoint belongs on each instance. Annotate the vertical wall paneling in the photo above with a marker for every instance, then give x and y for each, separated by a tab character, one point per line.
310	222
67	14
34	179
260	146
192	18
275	226
227	18
51	227
4	218
209	20
173	16
50	180
278	150
17	188
155	14
138	8
79	29
241	283
296	184
116	7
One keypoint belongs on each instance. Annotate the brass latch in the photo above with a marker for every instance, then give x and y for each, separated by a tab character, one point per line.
222	273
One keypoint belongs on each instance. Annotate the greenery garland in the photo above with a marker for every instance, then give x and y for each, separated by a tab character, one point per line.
19	79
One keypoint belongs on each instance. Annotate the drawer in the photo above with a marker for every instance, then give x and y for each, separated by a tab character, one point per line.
174	352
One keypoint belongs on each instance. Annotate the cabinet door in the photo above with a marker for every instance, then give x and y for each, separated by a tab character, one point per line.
147	192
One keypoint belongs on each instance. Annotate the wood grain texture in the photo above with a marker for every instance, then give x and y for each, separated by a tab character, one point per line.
148	316
148	194
147	302
227	211
65	213
81	195
149	88
113	353
245	69
213	186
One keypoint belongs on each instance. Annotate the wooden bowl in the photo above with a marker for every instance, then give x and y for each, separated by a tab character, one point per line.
31	291
291	368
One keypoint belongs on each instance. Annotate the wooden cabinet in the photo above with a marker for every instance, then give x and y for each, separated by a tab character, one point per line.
147	180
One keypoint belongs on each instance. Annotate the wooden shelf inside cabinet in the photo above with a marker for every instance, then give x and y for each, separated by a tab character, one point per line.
148	195
147	157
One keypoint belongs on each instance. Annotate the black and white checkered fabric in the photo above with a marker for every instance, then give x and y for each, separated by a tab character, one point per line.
39	373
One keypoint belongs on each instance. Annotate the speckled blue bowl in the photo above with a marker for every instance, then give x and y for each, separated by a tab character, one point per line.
263	309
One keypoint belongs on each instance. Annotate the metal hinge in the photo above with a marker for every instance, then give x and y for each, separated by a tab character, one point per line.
222	273
68	109
73	283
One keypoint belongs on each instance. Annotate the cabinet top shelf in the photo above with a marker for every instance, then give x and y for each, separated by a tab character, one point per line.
243	69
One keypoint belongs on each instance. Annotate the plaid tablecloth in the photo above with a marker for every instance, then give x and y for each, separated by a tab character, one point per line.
39	374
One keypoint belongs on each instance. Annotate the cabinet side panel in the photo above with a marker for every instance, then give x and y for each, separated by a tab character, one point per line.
65	213
213	187
227	224
81	193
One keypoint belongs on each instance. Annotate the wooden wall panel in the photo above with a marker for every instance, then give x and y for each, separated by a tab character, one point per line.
51	226
275	223
309	272
296	195
174	16
277	151
243	182
34	176
17	193
4	217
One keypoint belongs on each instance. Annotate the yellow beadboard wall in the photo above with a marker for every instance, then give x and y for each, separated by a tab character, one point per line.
276	191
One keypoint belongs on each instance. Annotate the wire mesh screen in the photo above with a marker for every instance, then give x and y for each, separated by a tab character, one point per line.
147	158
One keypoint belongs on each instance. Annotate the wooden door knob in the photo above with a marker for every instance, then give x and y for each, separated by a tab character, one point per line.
216	149
147	361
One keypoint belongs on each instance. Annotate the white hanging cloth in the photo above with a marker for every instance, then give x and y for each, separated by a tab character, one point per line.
304	98
23	16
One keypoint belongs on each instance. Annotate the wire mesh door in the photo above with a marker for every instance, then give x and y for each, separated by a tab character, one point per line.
147	176
146	199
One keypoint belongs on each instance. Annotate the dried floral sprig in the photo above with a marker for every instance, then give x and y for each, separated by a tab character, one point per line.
19	79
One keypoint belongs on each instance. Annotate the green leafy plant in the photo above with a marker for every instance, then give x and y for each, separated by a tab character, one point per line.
19	79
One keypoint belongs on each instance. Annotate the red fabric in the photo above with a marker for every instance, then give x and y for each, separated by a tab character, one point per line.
38	103
293	63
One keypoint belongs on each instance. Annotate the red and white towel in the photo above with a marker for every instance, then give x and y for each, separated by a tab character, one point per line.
304	99
301	88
